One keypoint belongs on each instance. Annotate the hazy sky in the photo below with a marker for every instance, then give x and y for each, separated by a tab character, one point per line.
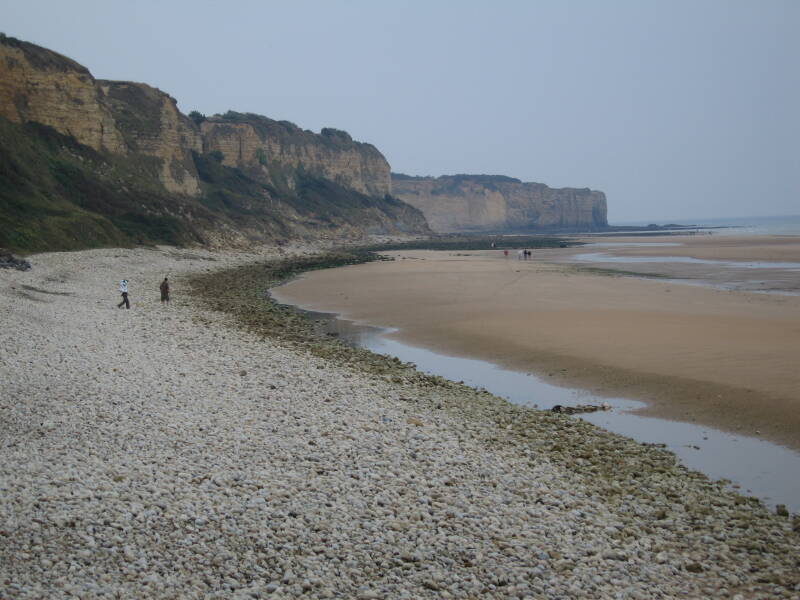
675	109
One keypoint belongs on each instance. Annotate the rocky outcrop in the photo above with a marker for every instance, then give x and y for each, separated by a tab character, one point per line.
273	150
152	125
126	118
40	85
9	261
472	203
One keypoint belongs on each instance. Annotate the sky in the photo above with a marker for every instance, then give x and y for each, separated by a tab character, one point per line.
676	109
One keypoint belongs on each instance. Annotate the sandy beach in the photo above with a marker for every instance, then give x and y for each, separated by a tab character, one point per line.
714	356
165	452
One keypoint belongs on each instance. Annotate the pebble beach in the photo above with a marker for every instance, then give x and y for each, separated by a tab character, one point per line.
165	451
710	353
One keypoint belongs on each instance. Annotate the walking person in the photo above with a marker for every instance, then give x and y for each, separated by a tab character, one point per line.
164	287
123	288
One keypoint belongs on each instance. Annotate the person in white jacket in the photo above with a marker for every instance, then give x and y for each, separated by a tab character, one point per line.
123	288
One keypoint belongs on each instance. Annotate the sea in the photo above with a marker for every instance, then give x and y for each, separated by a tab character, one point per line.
775	225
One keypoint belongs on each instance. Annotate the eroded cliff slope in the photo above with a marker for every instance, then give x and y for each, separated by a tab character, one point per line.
87	162
491	203
274	150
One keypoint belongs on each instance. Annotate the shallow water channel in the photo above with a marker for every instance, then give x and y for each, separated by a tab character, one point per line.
754	467
762	277
599	257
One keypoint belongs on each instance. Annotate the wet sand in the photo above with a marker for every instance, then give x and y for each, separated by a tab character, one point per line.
175	452
711	247
727	359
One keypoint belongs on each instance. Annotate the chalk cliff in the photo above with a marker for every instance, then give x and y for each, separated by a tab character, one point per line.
473	203
146	172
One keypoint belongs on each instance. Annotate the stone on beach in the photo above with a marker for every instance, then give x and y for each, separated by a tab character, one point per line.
162	453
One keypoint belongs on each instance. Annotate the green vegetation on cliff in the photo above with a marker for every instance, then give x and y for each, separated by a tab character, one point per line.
42	58
136	112
288	132
86	162
57	194
460	178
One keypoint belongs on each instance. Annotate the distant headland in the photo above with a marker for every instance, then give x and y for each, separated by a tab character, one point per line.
494	203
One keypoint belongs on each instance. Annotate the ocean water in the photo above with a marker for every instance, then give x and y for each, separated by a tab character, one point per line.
783	225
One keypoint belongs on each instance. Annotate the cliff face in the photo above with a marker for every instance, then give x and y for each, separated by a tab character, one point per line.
39	85
272	149
463	203
129	118
123	164
151	124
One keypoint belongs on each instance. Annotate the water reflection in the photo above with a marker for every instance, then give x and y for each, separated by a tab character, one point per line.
632	244
599	257
757	467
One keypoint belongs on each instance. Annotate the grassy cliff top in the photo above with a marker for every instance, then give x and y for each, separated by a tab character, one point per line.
286	131
42	58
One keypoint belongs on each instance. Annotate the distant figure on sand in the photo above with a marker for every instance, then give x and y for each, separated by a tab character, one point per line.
164	287
123	289
519	255
505	253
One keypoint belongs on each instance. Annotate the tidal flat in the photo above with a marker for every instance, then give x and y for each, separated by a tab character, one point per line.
215	448
725	358
753	467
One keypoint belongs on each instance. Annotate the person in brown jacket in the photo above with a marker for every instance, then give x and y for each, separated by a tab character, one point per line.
164	287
